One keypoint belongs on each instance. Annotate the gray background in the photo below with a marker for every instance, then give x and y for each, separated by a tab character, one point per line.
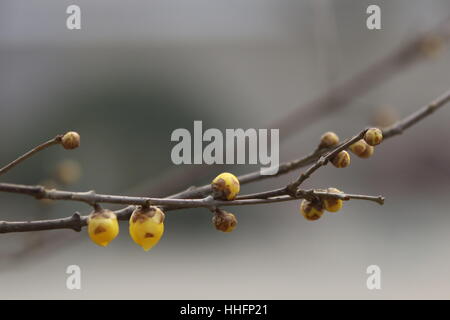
138	70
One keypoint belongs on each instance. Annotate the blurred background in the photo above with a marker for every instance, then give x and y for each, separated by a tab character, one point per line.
137	70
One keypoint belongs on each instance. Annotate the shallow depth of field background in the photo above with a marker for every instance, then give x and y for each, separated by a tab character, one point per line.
138	70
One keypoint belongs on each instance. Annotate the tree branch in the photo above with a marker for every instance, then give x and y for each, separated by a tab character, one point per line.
375	74
286	167
412	119
29	154
76	222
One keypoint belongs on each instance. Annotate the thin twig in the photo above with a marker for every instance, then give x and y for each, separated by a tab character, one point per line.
93	198
412	119
51	142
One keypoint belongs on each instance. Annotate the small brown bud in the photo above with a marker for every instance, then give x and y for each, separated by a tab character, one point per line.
68	172
341	160
328	139
224	221
70	140
431	46
311	210
373	136
359	147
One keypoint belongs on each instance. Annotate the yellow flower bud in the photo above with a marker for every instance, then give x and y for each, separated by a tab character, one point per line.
341	160
373	136
368	152
224	221
225	186
68	171
328	139
333	204
431	46
147	226
103	227
70	140
311	211
359	147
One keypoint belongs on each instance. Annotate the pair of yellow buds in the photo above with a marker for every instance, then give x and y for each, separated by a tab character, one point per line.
146	226
313	210
363	148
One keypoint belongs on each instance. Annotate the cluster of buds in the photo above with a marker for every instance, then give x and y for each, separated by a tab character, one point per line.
330	140
313	209
225	186
364	148
146	226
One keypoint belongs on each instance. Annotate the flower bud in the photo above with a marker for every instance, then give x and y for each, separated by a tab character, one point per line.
341	160
68	172
224	221
328	139
225	186
373	136
103	227
147	226
431	46
311	211
368	152
70	140
359	147
333	204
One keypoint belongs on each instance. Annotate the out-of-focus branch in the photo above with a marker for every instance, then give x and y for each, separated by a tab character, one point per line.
339	96
414	50
29	154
